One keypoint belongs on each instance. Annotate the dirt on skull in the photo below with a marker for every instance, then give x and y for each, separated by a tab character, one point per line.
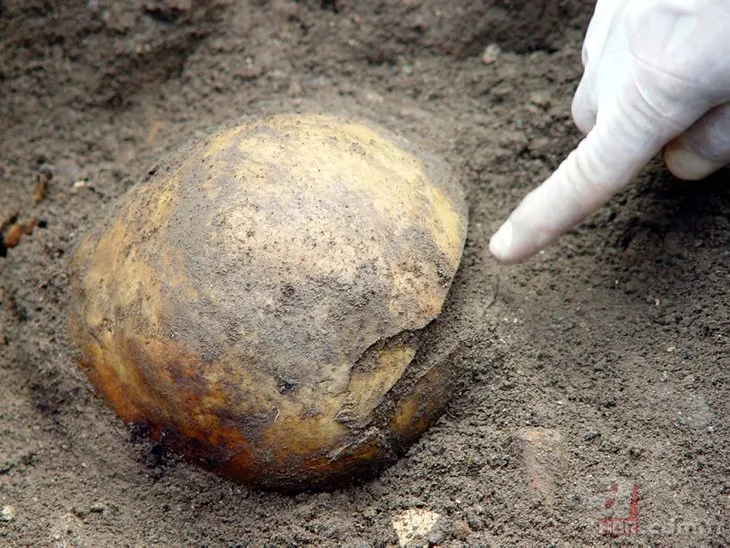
263	301
595	371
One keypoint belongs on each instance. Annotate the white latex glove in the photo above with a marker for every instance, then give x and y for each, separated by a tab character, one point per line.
657	76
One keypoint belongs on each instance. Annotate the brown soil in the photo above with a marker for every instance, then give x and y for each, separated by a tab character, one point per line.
602	362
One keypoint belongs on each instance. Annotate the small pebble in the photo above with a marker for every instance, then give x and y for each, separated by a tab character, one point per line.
490	54
7	513
540	99
414	525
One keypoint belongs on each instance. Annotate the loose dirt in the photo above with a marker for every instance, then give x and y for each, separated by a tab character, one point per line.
594	396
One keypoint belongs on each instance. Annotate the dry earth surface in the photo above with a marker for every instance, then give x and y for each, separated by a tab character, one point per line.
599	370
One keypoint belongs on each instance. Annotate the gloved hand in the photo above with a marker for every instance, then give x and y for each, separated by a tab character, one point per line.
657	76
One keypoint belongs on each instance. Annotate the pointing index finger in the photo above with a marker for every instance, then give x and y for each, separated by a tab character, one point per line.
616	149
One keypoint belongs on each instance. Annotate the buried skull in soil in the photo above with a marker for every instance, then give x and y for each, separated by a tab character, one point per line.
260	302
